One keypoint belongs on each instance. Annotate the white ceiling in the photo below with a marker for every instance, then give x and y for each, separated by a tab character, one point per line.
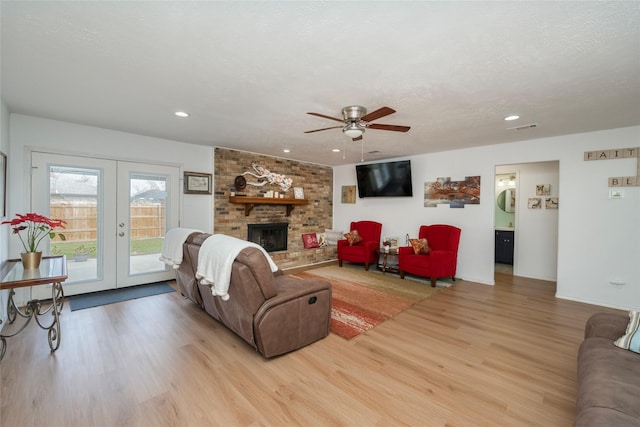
249	71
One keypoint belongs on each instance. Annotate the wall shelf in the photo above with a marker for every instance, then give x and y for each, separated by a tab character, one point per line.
250	202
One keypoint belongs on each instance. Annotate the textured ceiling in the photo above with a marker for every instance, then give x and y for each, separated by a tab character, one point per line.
249	71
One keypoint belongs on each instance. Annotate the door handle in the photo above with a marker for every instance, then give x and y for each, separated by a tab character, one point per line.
121	225
121	234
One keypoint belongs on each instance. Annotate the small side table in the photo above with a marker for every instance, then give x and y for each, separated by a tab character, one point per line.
53	270
385	255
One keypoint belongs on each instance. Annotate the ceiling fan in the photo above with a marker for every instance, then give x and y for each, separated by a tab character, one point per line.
355	120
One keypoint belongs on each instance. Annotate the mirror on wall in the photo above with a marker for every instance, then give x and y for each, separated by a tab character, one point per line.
507	200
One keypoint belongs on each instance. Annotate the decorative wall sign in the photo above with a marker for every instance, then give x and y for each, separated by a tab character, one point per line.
298	192
197	183
348	194
456	194
534	203
618	153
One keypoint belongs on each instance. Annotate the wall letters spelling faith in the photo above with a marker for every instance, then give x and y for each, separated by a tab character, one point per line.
618	153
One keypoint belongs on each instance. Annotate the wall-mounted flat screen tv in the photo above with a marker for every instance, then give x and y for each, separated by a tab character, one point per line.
390	179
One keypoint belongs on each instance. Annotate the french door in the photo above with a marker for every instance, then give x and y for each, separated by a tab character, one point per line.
117	214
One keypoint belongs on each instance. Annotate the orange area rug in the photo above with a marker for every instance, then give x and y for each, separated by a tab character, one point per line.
363	299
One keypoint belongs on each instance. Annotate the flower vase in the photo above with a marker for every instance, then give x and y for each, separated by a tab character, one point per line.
31	260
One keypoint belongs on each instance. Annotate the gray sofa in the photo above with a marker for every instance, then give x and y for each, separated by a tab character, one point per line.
608	376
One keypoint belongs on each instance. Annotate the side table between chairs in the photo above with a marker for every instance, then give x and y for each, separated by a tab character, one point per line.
385	251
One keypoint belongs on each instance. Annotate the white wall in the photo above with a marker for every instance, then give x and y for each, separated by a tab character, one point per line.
536	231
598	238
4	230
33	133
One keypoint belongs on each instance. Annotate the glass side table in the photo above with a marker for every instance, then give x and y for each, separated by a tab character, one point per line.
389	259
53	270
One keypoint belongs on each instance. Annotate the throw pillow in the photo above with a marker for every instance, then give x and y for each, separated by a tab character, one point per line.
631	339
322	239
310	240
333	236
420	246
353	237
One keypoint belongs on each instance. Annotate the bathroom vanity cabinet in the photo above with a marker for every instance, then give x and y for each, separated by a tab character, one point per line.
504	246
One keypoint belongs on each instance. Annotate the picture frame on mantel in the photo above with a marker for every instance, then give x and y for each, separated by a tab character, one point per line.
298	193
197	183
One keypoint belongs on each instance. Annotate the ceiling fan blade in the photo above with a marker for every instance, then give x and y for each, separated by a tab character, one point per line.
394	128
358	138
380	112
318	130
327	117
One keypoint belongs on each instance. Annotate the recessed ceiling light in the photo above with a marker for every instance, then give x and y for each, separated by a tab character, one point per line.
286	150
336	150
181	114
512	117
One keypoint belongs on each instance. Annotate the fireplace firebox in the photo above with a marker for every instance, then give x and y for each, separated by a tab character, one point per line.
272	237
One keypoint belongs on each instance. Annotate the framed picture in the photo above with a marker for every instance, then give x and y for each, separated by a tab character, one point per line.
534	203
551	203
298	193
391	241
197	183
543	189
3	185
348	194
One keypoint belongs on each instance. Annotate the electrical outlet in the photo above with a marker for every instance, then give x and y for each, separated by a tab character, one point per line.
616	194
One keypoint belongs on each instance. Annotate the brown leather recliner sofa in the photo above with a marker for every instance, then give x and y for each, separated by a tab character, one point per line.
608	376
272	312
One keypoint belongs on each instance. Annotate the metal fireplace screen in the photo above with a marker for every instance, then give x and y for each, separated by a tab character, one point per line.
272	237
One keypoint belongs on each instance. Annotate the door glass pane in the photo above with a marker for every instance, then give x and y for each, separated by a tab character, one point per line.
148	222
75	198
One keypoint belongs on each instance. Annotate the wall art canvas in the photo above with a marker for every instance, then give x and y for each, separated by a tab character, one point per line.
456	194
348	194
551	203
534	203
543	189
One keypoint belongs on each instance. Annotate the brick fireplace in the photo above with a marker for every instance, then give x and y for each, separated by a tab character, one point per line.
313	217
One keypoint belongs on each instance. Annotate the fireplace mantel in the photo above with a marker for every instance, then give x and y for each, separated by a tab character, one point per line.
250	202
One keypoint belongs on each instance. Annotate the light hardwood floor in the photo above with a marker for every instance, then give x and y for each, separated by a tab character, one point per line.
473	354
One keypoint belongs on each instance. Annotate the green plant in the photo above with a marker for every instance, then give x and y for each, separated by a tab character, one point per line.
81	250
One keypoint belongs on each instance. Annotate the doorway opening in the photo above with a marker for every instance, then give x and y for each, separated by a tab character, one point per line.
526	219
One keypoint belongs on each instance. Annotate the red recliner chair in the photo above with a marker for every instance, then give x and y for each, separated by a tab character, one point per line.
442	259
365	251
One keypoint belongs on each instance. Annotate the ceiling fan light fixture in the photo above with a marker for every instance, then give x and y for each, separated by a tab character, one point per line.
353	130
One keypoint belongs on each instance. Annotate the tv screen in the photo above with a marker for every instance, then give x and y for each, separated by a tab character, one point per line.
390	179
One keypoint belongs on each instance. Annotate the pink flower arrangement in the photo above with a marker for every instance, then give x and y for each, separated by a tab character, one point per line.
37	226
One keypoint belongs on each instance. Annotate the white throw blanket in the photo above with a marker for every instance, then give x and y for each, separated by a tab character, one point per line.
172	245
215	262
